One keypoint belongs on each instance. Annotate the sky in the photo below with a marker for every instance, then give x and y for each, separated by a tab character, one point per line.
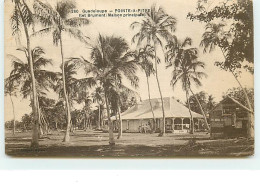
217	82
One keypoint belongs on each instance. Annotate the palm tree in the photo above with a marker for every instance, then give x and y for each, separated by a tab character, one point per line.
123	64
56	20
23	17
98	97
11	90
75	88
177	55
70	69
21	75
84	96
213	36
185	71
116	95
144	57
111	62
58	114
211	103
154	28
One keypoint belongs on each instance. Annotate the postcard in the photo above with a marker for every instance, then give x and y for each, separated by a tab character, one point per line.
129	79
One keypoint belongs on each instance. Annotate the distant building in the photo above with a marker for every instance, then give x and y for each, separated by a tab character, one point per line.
229	118
177	116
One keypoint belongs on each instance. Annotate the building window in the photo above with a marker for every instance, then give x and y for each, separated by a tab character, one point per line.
241	114
186	123
217	113
227	111
177	124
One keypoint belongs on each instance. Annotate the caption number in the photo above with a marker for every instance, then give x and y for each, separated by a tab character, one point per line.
74	11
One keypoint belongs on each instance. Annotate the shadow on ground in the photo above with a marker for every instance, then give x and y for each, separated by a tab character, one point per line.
95	145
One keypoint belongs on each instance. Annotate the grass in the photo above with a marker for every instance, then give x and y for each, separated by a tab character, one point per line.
94	144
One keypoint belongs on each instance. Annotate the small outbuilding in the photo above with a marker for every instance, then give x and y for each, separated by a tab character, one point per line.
229	119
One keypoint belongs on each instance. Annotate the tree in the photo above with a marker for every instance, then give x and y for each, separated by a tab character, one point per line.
84	96
27	121
11	90
110	63
21	75
48	112
57	21
57	113
117	96
155	27
211	103
236	41
202	97
216	36
127	100
9	124
238	94
186	64
240	14
144	57
207	102
98	97
123	64
70	70
76	88
22	18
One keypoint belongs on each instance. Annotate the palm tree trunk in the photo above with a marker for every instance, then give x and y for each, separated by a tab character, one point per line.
158	84
191	117
110	125
67	105
39	119
35	137
85	121
45	124
149	96
202	111
250	129
13	114
120	129
99	117
24	127
40	131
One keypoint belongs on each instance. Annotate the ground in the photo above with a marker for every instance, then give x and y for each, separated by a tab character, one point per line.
94	144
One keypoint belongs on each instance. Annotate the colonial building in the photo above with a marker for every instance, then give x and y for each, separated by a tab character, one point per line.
177	116
229	118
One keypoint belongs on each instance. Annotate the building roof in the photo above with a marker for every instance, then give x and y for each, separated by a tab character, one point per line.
233	100
173	109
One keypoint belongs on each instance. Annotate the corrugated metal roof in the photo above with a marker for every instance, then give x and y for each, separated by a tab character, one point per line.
172	107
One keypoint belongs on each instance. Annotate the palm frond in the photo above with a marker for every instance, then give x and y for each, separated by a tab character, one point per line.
56	36
43	31
76	33
64	7
15	21
44	13
26	13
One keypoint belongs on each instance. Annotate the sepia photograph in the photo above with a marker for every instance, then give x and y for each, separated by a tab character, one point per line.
129	79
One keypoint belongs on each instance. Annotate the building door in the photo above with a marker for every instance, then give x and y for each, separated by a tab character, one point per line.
244	127
228	126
